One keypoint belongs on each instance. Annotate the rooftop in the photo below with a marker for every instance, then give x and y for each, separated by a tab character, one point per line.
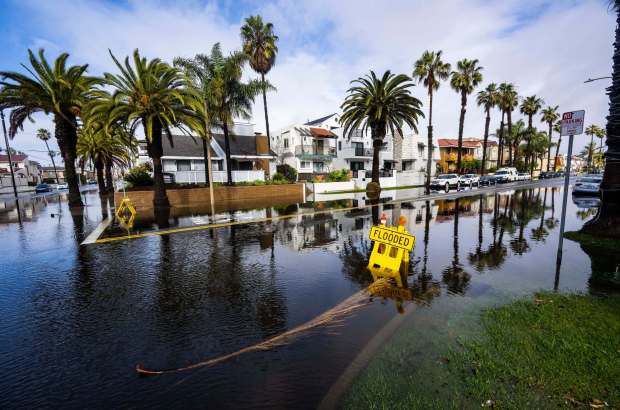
320	120
14	158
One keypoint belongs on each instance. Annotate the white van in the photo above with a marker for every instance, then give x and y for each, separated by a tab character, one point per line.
506	175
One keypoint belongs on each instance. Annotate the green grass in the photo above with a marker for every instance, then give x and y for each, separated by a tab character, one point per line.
597	241
548	351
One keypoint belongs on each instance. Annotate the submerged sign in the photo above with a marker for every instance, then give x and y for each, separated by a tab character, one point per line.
392	237
572	123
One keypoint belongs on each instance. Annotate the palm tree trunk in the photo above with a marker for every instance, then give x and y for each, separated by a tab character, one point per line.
210	182
66	135
227	151
590	153
549	148
557	153
160	198
376	146
100	180
510	152
206	156
484	143
429	154
266	115
529	140
509	119
461	124
500	155
54	162
108	176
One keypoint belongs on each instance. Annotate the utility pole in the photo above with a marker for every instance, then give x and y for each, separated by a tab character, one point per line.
8	151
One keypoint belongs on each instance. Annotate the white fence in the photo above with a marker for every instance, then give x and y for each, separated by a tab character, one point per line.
321	187
198	177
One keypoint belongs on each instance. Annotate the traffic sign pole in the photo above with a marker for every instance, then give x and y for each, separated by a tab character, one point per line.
567	172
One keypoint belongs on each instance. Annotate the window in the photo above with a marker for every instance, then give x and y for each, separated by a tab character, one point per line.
285	142
184	165
305	164
339	145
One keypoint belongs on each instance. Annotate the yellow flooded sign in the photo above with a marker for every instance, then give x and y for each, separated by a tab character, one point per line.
392	237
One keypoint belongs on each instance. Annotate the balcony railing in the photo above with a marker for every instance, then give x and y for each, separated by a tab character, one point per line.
314	152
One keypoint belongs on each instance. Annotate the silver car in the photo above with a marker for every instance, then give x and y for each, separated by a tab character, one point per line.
589	185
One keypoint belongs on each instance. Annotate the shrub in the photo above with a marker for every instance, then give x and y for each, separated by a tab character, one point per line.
139	176
289	173
318	178
342	175
278	177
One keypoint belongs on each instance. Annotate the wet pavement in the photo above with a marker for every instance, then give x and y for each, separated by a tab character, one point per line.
78	319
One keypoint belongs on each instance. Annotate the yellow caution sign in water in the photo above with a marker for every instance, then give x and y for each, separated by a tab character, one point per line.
391	248
126	213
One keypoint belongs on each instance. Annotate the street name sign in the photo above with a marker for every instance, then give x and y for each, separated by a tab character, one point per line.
572	123
392	237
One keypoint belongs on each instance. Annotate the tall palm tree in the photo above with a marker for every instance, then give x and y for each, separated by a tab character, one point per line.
591	130
380	105
601	134
464	80
607	220
557	127
530	107
487	98
430	70
147	93
58	90
259	44
513	138
550	115
508	100
44	135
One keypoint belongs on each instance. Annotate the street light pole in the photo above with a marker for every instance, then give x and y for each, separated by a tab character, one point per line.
589	80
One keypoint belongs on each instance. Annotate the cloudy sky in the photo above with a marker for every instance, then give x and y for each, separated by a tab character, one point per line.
547	48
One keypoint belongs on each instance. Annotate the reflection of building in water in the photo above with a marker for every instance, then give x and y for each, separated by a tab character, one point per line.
30	208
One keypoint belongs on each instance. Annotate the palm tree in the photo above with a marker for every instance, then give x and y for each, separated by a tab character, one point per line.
557	127
464	80
508	100
201	74
588	152
430	70
379	105
488	98
58	90
97	145
259	44
601	134
530	107
550	115
151	94
591	130
44	135
517	133
607	220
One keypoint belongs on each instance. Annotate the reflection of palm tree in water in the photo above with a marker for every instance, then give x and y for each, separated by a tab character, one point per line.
540	233
454	276
552	222
495	255
476	258
520	245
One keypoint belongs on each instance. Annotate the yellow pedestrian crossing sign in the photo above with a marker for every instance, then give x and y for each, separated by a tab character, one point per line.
126	213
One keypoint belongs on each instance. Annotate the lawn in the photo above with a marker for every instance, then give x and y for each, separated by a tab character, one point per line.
545	351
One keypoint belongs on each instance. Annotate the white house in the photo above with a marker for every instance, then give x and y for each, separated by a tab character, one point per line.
22	167
183	159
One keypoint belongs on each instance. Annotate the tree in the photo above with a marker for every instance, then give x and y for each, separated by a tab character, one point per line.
151	94
588	152
58	90
259	44
536	148
601	134
379	105
530	107
550	115
98	145
517	133
508	100
487	98
44	135
430	70
557	127
464	80
592	130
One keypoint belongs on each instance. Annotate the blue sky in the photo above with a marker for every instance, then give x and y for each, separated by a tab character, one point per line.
546	48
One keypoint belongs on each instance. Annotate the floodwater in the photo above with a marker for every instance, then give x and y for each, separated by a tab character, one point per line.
76	320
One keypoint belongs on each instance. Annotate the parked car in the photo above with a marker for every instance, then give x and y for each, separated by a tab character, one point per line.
62	186
588	186
487	180
506	175
546	175
446	181
469	180
42	188
523	176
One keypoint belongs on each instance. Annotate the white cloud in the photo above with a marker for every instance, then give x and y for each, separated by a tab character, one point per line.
325	44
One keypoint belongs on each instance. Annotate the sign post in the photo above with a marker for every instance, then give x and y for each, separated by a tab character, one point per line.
571	125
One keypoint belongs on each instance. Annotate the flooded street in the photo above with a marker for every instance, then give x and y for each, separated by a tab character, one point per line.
77	320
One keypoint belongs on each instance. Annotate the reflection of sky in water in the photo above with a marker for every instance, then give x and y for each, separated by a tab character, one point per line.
177	299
